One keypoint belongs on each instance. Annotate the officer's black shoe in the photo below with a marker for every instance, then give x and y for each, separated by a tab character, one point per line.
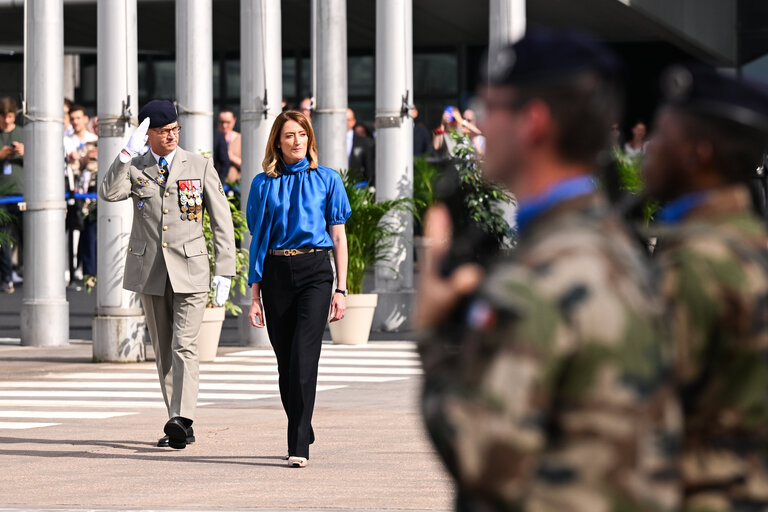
163	441
177	433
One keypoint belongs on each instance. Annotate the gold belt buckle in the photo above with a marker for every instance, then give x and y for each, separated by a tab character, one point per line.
293	252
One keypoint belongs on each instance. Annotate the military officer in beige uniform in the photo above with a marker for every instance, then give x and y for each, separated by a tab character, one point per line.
167	260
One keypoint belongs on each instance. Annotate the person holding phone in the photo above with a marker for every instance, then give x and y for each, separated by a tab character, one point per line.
451	121
11	182
296	213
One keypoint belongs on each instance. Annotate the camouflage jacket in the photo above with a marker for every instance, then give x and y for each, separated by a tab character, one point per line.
715	280
554	394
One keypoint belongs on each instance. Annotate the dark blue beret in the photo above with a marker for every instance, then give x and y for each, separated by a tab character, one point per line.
159	112
701	89
544	56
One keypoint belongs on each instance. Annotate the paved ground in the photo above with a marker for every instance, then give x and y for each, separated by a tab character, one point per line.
80	436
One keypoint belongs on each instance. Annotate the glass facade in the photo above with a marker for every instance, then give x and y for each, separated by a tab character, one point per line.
437	81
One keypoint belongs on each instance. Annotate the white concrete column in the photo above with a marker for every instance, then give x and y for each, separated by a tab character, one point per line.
506	23
45	310
118	326
261	95
71	75
194	74
329	119
394	155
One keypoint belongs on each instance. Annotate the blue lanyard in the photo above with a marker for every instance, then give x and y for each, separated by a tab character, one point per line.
676	210
533	208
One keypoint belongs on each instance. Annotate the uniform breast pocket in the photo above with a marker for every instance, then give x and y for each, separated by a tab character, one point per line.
141	199
134	263
196	254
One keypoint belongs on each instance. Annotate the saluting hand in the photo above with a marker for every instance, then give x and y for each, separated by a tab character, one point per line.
138	139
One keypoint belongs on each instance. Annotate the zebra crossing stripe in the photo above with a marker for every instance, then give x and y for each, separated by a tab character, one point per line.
13	425
272	368
249	374
204	377
26	393
343	361
112	404
213	386
324	370
69	415
389	354
390	345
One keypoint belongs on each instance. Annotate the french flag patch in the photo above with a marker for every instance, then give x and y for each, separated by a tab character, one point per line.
481	316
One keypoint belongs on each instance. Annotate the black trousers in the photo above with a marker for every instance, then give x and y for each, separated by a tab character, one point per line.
86	251
296	291
15	229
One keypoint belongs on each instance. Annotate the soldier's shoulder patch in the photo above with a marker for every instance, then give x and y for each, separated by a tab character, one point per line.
221	189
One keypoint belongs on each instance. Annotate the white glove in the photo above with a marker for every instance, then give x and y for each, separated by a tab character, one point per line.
137	140
221	285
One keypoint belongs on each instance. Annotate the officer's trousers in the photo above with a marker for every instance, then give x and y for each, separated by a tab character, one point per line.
174	322
296	291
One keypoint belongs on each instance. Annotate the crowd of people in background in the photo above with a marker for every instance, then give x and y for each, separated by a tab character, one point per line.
634	145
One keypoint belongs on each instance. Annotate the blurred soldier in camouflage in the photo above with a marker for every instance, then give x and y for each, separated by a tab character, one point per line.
708	140
547	390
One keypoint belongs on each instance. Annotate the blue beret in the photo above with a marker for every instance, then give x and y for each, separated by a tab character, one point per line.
701	89
545	56
159	112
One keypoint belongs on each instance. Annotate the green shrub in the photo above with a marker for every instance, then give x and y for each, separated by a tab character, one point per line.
240	279
371	232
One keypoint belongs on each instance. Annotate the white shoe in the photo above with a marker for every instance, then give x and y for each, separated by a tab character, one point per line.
297	462
16	278
286	456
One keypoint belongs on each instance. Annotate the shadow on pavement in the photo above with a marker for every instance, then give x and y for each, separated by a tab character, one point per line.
140	449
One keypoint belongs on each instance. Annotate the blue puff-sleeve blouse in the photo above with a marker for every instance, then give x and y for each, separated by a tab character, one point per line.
293	211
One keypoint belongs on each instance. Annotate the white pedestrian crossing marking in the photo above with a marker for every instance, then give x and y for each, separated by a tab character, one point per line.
107	404
60	415
245	375
223	376
135	394
264	368
388	354
349	361
217	386
14	425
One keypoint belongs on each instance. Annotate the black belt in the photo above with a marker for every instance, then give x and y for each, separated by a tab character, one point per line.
296	252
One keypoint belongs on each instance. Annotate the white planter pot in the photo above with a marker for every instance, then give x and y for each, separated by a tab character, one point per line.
355	327
210	333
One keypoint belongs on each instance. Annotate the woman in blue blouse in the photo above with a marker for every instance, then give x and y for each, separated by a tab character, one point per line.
296	214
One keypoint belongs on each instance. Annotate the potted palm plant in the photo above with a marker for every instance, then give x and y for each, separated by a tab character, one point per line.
370	234
213	318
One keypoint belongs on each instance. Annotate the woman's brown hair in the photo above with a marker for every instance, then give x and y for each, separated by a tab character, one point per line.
273	156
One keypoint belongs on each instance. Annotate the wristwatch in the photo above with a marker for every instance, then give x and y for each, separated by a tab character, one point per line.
339	290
